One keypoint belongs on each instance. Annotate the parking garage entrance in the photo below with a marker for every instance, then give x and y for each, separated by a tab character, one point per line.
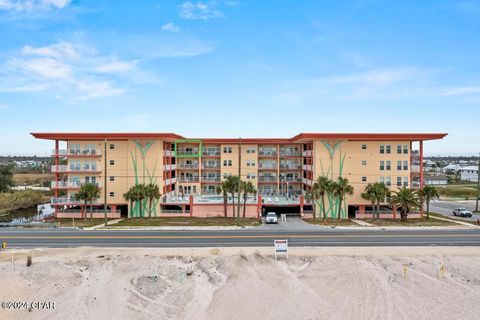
288	210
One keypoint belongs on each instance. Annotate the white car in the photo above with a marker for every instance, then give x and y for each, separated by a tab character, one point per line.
462	212
271	218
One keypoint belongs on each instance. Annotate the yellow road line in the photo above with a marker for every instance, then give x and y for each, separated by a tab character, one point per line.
237	237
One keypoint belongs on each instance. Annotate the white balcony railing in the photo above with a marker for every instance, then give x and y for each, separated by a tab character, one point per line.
170	181
307	153
169	167
68	201
211	166
169	153
308	182
69	184
188	165
76	152
211	179
307	167
72	168
292	166
188	179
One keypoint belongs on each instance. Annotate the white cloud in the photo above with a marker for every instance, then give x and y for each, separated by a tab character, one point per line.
32	5
199	11
170	26
71	70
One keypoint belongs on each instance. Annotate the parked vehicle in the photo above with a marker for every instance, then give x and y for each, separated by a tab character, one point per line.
462	212
271	218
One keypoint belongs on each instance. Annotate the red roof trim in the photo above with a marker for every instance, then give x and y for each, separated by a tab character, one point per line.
301	136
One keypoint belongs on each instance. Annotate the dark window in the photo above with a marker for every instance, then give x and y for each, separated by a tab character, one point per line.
405	165
389	149
382	165
364	147
399	149
399	165
399	181
364	179
112	178
405	148
112	162
389	165
382	149
112	146
112	194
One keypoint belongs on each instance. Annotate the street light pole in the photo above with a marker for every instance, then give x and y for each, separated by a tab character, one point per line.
478	183
239	177
105	181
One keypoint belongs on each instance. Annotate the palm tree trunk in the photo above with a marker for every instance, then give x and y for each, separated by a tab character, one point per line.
233	204
225	203
244	205
150	207
428	209
323	209
85	210
131	209
339	208
91	210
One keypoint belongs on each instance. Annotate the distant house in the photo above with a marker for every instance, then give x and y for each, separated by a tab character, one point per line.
468	173
436	180
451	168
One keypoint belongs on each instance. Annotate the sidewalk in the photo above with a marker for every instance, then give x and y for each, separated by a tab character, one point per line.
109	223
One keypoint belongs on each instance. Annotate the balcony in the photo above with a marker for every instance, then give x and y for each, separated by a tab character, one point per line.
170	181
189	179
69	201
290	153
307	167
263	166
169	153
267	179
211	179
169	167
211	152
187	166
207	166
76	153
292	180
290	166
68	184
307	153
267	153
72	168
308	182
186	153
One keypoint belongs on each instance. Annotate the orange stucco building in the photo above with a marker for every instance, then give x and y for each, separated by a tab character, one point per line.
188	171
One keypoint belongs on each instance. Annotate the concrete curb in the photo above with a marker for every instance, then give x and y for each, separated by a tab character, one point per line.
172	228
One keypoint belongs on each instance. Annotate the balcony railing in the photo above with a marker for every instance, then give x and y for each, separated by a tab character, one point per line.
289	153
69	201
290	166
170	181
187	152
211	179
295	179
169	167
307	153
308	182
211	166
188	165
189	179
215	152
169	153
76	152
267	153
267	179
307	167
72	168
69	184
267	166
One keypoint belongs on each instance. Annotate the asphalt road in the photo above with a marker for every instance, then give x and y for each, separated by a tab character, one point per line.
25	238
446	208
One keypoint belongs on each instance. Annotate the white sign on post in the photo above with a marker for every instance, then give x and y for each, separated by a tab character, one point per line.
281	246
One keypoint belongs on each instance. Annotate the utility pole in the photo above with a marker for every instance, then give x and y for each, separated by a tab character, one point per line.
478	183
239	178
105	181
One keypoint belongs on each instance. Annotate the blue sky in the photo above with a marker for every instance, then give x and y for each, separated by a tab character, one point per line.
239	68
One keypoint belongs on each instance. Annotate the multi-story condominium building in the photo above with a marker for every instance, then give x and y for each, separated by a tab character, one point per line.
189	171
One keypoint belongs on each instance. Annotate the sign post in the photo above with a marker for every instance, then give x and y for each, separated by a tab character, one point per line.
281	246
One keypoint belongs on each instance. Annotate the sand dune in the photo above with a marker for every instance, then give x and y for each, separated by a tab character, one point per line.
315	283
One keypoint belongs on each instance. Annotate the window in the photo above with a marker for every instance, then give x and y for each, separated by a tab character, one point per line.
389	165
227	163
250	163
364	179
251	150
112	162
405	149
405	181
227	149
399	181
364	147
389	181
399	149
112	194
389	149
112	178
382	180
382	165
405	165
226	175
112	146
364	162
250	175
382	149
399	165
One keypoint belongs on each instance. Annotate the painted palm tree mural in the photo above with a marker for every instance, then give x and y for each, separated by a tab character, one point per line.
143	176
334	207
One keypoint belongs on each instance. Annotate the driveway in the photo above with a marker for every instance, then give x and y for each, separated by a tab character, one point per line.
446	207
292	223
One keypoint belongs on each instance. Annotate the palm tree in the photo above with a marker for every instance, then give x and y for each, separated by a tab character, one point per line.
247	188
232	183
152	192
322	188
130	196
81	195
341	188
313	196
222	189
406	199
89	192
140	195
376	193
428	193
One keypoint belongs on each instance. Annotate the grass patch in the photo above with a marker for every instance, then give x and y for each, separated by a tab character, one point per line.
331	222
462	191
422	222
188	221
79	222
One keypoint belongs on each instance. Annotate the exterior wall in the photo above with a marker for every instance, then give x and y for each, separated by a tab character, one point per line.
216	210
233	170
